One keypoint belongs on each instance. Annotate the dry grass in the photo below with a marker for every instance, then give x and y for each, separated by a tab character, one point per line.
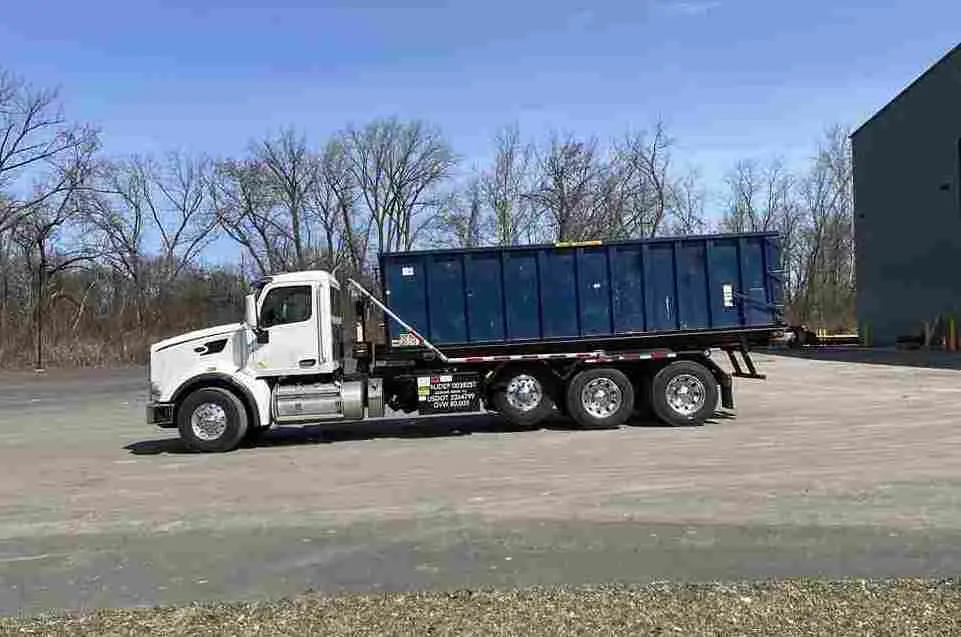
902	607
78	353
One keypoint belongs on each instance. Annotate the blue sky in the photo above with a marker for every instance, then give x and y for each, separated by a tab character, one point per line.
732	78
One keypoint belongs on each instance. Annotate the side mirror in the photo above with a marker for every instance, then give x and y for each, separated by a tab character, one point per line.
250	311
250	317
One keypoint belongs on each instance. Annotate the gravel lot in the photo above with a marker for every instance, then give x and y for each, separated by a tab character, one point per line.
784	609
830	470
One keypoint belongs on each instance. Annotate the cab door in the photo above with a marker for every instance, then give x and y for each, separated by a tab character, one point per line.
287	317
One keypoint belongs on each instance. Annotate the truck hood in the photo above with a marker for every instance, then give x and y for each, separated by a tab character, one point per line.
210	332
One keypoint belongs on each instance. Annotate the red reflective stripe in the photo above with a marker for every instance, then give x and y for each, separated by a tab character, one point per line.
589	356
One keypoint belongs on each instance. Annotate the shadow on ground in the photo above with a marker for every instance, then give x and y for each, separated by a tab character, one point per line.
399	428
874	356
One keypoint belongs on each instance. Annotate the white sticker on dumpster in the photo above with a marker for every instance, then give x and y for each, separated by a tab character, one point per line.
728	292
407	270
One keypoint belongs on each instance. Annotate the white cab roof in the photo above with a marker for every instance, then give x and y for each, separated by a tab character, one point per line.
305	276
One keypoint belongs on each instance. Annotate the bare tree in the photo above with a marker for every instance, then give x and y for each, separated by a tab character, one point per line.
183	216
44	162
247	210
463	222
293	173
826	245
398	168
812	213
50	238
40	151
166	198
759	196
333	209
7	247
291	208
568	171
644	183
687	205
503	188
118	212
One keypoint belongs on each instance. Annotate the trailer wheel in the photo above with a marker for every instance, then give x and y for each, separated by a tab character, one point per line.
521	396
212	419
684	393
600	397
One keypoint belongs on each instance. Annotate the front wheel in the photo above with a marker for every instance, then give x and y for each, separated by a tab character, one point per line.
600	398
684	393
212	419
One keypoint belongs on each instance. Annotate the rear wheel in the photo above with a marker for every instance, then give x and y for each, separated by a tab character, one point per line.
521	397
600	397
212	419
684	393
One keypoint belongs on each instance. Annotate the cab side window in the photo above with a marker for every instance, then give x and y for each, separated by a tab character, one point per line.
334	301
286	305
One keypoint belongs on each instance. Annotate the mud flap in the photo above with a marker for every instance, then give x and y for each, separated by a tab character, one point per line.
727	391
724	380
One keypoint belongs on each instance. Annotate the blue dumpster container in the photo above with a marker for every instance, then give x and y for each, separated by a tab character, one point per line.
592	291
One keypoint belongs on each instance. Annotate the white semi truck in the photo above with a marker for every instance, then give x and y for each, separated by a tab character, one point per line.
289	363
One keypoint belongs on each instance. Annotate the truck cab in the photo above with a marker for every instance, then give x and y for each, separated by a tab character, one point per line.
297	321
282	364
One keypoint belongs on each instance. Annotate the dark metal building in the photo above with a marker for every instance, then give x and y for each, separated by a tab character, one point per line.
907	202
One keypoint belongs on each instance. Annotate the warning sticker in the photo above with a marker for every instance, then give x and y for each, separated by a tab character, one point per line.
447	393
405	339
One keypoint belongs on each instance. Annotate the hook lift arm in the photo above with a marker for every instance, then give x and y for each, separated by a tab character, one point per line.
423	341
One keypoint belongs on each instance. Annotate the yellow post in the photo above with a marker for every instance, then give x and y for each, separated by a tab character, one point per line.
952	334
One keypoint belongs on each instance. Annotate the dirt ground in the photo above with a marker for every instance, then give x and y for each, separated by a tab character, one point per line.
829	469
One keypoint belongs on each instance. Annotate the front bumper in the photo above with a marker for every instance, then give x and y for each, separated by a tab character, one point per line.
161	415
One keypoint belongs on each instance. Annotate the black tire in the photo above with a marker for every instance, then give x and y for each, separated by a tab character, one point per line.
528	416
704	387
255	434
583	414
235	423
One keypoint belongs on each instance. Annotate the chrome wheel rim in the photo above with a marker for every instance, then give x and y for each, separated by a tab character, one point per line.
601	397
524	392
208	421
686	394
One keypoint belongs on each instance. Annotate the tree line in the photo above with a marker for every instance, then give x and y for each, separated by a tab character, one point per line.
101	255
